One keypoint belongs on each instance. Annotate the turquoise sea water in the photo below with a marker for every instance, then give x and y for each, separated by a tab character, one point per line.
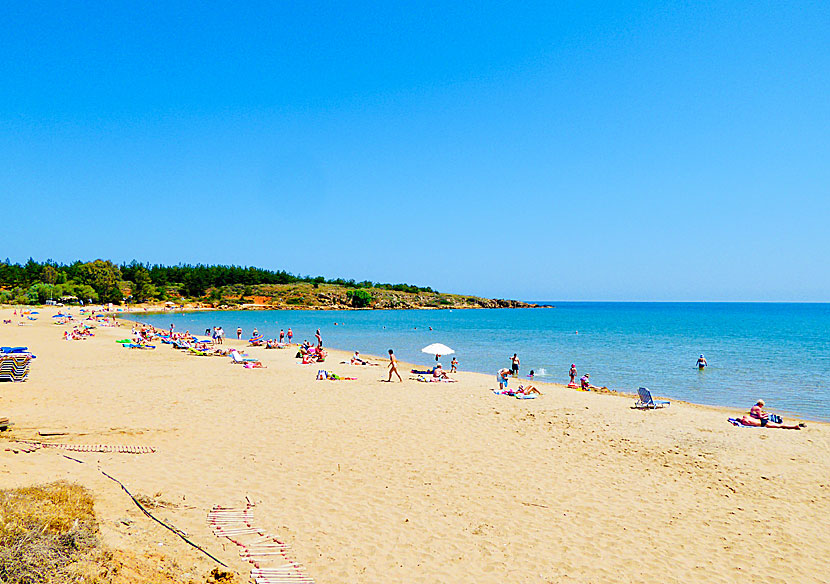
778	352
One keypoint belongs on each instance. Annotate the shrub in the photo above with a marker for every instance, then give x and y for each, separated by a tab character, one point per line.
359	298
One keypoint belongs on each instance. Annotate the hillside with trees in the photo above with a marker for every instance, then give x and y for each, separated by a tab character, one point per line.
219	286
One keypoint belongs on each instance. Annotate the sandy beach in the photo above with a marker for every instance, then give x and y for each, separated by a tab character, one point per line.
374	482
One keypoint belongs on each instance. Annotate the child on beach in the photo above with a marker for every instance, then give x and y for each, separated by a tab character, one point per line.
572	374
585	383
454	365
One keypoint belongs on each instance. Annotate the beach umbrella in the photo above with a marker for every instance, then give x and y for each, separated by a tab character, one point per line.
437	349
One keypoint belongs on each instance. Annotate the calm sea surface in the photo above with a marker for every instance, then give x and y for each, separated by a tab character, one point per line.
778	352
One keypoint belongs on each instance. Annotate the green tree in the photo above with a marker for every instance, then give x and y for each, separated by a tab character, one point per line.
104	277
194	284
359	298
49	274
143	289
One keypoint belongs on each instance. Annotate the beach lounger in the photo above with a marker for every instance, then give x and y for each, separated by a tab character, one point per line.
648	402
237	358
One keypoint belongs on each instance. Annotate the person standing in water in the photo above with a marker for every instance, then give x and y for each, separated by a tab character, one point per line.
514	364
393	366
289	335
701	362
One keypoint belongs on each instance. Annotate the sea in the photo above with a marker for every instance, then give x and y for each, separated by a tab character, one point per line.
775	351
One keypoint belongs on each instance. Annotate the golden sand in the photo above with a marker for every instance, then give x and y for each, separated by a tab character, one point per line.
374	482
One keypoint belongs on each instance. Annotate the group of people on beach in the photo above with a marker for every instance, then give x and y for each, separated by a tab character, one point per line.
217	334
756	417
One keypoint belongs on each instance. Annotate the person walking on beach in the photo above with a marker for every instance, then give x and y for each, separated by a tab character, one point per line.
320	340
290	335
454	365
239	332
701	362
572	374
514	364
393	366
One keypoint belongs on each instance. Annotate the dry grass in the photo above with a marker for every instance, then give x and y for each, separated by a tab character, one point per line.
49	535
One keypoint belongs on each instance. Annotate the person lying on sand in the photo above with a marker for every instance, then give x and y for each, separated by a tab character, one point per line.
758	417
356	360
528	389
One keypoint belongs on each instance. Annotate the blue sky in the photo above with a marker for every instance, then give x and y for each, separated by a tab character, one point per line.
570	150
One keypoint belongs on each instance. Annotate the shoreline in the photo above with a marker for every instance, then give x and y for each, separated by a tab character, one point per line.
134	317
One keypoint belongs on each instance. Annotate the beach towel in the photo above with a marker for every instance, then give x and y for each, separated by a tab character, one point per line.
525	396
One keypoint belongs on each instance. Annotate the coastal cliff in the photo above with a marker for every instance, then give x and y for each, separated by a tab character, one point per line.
332	297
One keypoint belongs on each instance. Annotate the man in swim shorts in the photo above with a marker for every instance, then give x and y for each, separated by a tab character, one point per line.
514	364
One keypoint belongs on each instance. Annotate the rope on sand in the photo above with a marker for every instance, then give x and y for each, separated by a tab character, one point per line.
151	516
272	564
162	523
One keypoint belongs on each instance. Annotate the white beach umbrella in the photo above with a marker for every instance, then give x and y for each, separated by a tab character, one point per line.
437	349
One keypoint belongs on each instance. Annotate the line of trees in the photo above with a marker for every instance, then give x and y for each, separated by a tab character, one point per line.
104	281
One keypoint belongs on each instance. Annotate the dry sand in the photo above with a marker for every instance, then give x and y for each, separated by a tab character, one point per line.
376	482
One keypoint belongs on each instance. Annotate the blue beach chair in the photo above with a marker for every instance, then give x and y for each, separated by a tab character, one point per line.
646	401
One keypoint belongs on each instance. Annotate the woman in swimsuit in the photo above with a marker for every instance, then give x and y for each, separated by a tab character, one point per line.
758	417
393	366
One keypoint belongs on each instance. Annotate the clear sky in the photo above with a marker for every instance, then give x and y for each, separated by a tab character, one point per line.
553	150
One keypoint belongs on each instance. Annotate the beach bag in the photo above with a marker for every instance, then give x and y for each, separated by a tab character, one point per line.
776	419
